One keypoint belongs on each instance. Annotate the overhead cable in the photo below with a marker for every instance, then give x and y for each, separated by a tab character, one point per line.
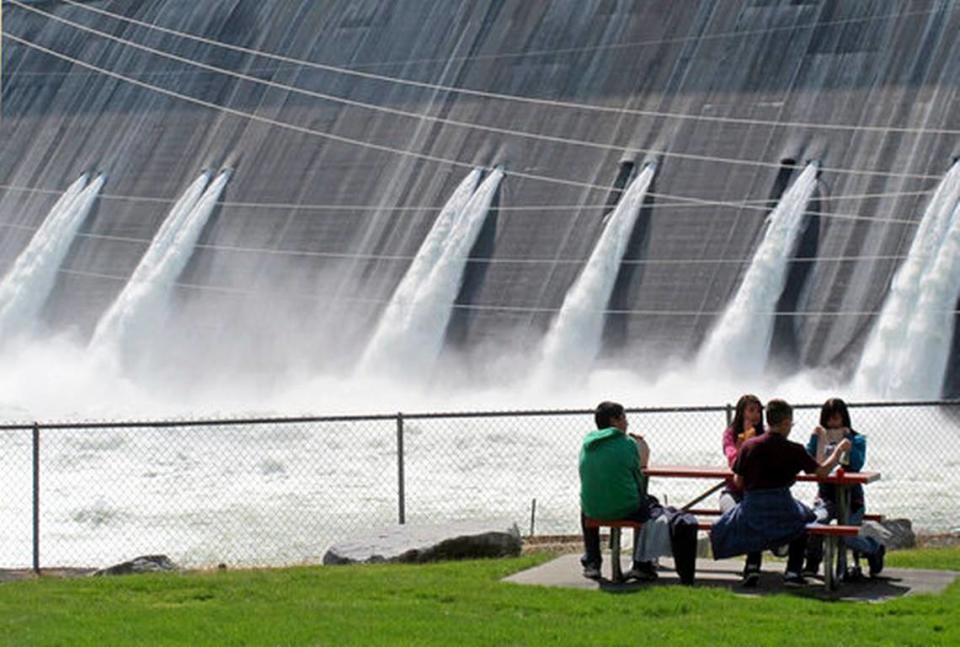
267	251
511	97
619	148
490	307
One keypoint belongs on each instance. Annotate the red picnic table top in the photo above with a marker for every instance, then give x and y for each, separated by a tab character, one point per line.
678	471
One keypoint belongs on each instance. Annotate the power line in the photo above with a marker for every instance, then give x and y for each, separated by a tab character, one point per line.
762	203
300	129
443	120
489	307
632	44
512	97
148	73
469	259
388	149
552	51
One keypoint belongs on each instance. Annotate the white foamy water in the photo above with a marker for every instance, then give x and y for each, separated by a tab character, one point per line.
145	298
400	316
575	336
27	285
413	338
921	362
740	340
879	363
280	494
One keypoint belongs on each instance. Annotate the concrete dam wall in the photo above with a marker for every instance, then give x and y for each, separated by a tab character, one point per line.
329	199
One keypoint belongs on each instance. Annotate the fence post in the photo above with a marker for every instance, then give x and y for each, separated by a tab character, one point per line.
729	410
401	494
36	498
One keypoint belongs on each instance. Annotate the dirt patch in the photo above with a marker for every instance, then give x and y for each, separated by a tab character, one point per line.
941	540
15	574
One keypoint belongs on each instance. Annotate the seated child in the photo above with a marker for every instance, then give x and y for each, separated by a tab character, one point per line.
613	486
835	427
746	424
768	515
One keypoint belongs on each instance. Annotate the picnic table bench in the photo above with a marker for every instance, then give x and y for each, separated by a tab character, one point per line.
832	533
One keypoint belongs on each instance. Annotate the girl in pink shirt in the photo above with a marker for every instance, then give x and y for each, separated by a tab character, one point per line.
747	423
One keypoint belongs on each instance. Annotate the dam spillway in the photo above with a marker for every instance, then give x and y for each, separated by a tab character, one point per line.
330	199
740	342
143	303
574	339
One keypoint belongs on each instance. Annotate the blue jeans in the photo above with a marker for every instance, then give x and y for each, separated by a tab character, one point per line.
826	511
729	499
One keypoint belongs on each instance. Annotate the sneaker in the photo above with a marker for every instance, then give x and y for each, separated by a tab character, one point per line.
751	578
591	572
642	572
876	561
793	580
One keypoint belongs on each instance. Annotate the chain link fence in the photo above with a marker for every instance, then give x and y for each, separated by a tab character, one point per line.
280	491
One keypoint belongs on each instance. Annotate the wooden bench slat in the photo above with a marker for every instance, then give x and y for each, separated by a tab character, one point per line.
681	471
837	531
707	512
812	528
612	523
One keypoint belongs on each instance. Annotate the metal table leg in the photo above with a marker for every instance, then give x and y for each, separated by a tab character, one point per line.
829	572
843	518
615	570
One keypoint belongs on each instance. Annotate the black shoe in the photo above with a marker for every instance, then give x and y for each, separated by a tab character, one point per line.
751	577
876	561
811	569
793	580
853	574
642	572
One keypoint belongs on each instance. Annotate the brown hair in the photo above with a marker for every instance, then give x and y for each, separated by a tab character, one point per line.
777	411
742	404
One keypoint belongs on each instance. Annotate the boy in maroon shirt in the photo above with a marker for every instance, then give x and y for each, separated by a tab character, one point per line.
769	516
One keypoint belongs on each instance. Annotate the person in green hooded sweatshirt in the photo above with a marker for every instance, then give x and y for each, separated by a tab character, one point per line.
612	485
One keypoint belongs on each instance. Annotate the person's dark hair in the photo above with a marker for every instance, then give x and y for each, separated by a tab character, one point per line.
777	411
738	416
832	406
606	413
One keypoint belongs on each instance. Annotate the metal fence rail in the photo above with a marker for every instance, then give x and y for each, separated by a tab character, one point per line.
276	491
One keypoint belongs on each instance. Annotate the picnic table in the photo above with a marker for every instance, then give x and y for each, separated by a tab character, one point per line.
843	482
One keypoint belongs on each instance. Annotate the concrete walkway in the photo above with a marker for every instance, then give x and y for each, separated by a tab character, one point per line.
565	572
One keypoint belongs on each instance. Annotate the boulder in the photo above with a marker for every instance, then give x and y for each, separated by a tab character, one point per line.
144	564
428	543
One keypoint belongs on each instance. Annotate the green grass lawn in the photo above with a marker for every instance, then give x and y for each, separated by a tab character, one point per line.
452	603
